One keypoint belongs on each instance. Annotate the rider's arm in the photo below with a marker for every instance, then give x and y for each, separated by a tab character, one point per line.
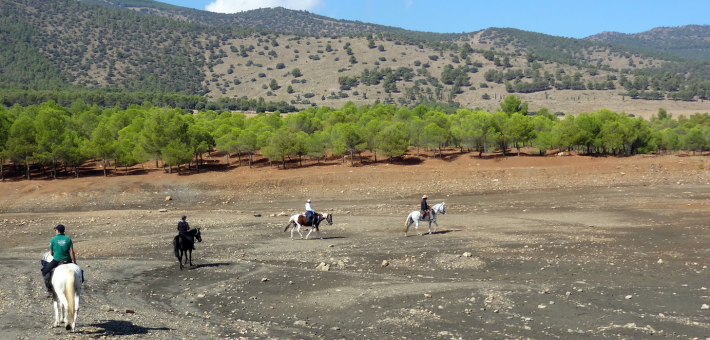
73	255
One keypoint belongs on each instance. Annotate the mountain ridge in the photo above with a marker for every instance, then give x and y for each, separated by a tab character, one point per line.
121	49
299	21
688	41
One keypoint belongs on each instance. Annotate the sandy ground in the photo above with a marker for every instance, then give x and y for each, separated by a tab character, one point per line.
560	247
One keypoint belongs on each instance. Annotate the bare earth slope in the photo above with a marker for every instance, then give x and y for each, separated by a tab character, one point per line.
530	247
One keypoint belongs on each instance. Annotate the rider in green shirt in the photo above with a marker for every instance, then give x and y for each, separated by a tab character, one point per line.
62	249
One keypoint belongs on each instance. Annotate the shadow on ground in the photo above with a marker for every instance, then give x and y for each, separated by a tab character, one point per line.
118	327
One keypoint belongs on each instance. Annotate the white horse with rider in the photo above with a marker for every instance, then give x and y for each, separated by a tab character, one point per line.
298	220
66	284
415	217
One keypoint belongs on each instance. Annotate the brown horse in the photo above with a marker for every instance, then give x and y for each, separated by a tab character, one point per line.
299	220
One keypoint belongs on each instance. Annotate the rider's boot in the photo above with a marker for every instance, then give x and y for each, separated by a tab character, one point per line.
48	284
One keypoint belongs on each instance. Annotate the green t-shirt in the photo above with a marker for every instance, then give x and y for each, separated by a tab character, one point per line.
60	246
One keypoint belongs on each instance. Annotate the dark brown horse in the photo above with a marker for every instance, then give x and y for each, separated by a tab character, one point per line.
183	246
300	220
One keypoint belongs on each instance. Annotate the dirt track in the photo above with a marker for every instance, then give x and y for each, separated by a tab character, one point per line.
554	254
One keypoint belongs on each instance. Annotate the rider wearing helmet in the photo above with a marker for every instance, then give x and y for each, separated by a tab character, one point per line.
183	227
424	207
62	250
310	213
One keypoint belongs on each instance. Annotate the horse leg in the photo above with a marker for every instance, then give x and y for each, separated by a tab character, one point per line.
190	252
416	226
318	231
56	312
76	308
429	226
436	226
299	231
292	228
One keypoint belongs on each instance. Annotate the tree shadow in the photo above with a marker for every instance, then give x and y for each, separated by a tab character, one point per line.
333	237
409	161
210	265
119	327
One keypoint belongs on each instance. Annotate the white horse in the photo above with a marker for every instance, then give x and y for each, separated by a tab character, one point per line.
299	220
414	217
66	283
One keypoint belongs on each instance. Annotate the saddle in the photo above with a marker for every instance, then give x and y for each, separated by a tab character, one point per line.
424	215
45	263
311	221
48	278
189	238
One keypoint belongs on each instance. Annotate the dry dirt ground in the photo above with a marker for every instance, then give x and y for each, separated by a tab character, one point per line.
560	247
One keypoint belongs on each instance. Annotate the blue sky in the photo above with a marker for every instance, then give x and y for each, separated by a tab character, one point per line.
557	17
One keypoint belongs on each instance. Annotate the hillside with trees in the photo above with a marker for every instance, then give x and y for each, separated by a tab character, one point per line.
117	55
691	41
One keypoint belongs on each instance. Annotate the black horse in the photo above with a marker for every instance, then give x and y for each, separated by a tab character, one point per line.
183	245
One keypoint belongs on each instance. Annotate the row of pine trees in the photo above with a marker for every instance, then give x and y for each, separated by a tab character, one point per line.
51	138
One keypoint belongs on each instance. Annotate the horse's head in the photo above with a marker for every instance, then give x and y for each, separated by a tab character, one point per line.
47	256
198	236
329	218
442	210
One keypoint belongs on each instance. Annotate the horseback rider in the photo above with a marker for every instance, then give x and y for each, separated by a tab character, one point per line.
310	213
62	251
424	208
183	228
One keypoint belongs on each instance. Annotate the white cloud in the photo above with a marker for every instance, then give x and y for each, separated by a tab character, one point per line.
234	6
409	3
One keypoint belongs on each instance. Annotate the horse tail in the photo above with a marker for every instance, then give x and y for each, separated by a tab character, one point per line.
69	293
176	246
406	222
289	224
